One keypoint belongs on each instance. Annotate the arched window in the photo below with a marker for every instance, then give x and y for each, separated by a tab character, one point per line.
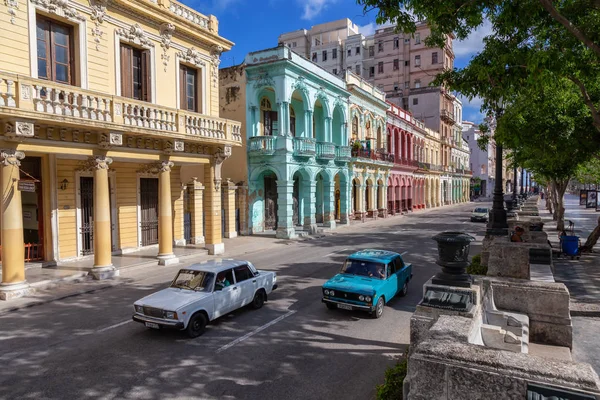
368	128
267	116
292	121
355	128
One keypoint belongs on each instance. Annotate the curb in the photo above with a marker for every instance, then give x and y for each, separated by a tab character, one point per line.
583	313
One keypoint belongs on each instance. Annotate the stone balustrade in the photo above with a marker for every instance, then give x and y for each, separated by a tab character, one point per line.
189	14
343	153
304	146
55	99
262	144
325	150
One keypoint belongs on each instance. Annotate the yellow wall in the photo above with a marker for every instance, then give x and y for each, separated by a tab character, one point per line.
126	191
67	209
14	52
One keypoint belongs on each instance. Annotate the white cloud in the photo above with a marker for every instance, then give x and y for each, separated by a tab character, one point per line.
367	29
471	109
474	42
312	8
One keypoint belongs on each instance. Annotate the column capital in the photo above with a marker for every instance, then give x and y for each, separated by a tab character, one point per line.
101	162
11	157
165	166
222	154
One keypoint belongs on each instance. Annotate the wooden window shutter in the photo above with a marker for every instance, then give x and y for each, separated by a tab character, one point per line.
199	88
274	116
182	88
146	76
126	72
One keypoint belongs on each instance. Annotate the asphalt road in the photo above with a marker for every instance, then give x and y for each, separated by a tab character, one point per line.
87	347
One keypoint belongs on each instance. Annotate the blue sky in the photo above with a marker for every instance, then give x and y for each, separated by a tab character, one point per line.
255	24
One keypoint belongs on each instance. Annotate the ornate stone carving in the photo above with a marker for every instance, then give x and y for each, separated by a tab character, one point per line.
149	169
178	145
215	53
118	111
322	97
10	157
339	102
166	33
60	8
192	56
98	14
264	80
100	162
116	139
135	35
13	6
222	154
166	166
19	129
300	85
26	92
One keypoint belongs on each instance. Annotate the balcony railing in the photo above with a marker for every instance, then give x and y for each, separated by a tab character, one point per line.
262	145
406	162
447	116
378	155
304	147
325	151
193	16
85	106
343	153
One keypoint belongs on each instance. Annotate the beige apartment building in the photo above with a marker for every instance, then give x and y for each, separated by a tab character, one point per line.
110	136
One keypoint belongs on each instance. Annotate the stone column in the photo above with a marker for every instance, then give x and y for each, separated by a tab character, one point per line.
310	223
165	216
329	204
308	123
229	207
243	199
285	212
197	206
212	203
345	196
329	129
13	256
284	110
103	267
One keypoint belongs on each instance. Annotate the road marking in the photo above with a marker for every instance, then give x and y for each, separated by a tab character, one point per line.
254	332
335	252
113	326
403	253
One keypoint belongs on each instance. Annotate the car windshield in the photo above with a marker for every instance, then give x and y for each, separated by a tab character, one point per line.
199	281
364	268
481	210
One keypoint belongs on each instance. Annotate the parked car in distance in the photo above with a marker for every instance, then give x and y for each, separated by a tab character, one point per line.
480	214
367	281
203	292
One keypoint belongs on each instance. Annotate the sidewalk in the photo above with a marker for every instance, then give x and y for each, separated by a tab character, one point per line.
582	277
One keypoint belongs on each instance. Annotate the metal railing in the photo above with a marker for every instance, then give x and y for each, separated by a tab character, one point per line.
343	153
325	150
304	146
262	144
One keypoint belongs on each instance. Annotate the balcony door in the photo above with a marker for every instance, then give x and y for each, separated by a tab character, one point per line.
270	183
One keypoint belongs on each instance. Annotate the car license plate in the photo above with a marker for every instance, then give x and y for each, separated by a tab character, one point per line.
344	307
152	325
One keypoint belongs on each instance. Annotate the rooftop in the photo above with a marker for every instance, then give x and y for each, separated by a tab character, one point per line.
374	255
216	265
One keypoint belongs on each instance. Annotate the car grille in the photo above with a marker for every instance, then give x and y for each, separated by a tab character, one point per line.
346	295
153	312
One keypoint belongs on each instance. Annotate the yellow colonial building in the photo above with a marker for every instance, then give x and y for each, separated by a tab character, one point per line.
110	136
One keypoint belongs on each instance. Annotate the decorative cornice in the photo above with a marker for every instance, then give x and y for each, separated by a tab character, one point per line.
192	56
98	13
215	53
264	80
135	35
166	33
300	84
60	8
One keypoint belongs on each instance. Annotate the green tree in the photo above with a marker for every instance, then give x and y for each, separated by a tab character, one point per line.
529	38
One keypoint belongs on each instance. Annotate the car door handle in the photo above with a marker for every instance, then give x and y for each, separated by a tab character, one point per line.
254	281
234	288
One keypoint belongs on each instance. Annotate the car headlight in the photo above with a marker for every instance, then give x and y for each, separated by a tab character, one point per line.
139	309
331	293
361	297
368	299
170	315
326	292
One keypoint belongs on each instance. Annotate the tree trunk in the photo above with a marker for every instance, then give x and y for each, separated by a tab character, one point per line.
560	187
555	204
592	239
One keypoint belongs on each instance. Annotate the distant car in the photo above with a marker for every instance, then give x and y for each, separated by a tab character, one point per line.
480	214
367	281
204	292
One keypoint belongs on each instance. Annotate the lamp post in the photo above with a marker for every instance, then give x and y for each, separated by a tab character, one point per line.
514	192
497	225
522	180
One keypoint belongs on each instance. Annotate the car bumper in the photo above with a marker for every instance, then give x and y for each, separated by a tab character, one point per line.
160	322
354	306
479	219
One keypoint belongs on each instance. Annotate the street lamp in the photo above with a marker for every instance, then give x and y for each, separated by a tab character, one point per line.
497	224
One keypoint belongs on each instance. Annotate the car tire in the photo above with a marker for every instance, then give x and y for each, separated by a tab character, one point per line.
379	308
404	289
472	219
196	325
259	300
331	306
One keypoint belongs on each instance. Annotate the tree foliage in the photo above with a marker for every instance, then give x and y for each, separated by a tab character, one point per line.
589	172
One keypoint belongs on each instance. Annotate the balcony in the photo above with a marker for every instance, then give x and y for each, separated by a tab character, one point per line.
304	147
343	153
376	155
448	117
76	106
262	145
325	151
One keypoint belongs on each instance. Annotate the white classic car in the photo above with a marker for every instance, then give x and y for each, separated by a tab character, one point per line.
204	292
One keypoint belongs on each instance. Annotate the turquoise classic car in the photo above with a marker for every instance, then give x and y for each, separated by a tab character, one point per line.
367	281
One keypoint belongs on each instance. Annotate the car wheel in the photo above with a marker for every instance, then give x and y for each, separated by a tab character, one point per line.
404	289
259	300
197	325
472	219
331	306
379	308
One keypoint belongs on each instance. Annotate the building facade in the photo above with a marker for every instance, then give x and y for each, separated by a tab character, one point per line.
296	134
92	88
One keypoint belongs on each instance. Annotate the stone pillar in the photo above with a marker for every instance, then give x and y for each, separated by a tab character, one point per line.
13	256
329	129
165	216
212	203
329	204
345	196
197	208
285	212
229	207
308	123
310	223
103	267
243	206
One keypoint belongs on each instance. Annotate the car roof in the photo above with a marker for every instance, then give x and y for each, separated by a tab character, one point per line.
217	265
374	255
